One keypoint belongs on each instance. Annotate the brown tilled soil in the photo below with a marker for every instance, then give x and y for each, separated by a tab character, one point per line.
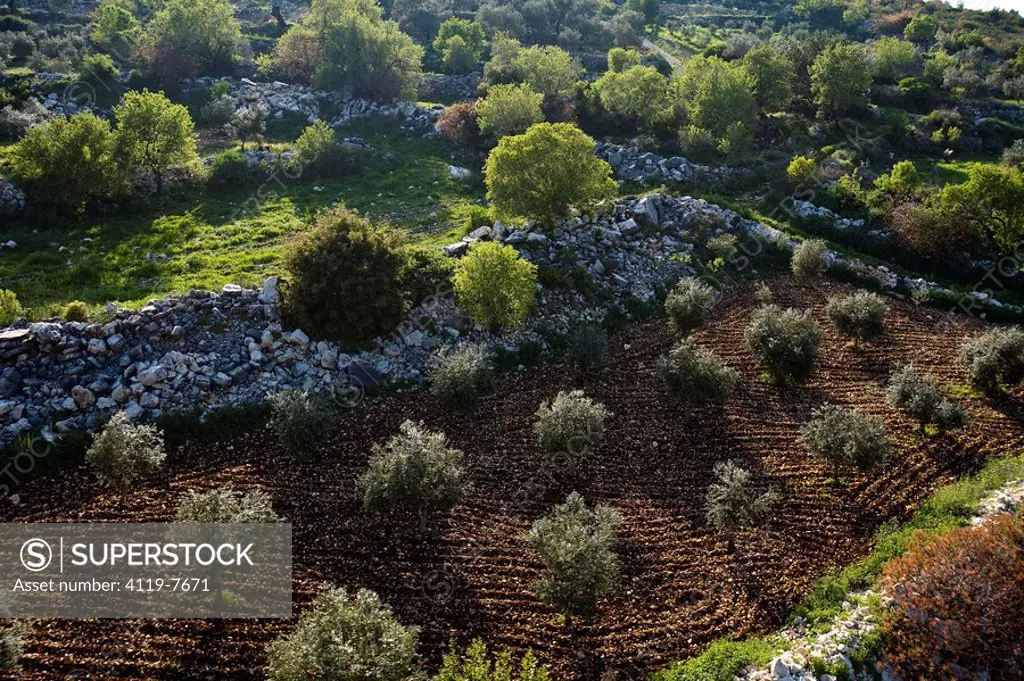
472	575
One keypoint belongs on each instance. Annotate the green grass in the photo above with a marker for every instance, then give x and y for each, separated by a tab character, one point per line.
720	662
205	239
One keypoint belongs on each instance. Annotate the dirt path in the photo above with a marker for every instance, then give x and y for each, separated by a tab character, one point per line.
650	46
680	588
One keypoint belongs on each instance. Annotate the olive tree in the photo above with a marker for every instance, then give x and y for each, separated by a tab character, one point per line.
345	638
924	400
576	545
688	304
572	424
414	470
785	342
300	418
995	359
734	500
844	437
840	79
224	505
124	452
696	375
809	259
509	110
545	171
860	316
460	376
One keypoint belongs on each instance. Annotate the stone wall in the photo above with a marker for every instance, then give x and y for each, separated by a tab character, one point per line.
12	199
206	350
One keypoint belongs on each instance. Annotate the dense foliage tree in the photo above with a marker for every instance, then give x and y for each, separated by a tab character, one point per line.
895	59
345	277
547	69
620	59
67	163
509	110
114	27
194	37
297	54
460	43
544	171
715	95
840	79
651	9
344	638
992	198
576	545
772	75
637	94
495	285
920	30
154	134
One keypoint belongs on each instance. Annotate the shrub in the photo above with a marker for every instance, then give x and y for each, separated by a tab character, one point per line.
10	307
785	342
942	234
544	171
231	170
1013	155
344	638
102	77
800	170
573	423
414	470
219	112
509	110
124	452
809	261
724	247
956	604
844	437
995	359
495	286
459	124
733	500
575	544
687	305
476	665
587	349
322	156
462	376
696	375
300	419
223	505
346	277
860	316
923	399
76	311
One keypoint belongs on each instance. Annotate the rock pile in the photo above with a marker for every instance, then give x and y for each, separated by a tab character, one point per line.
644	167
12	199
444	87
280	99
806	209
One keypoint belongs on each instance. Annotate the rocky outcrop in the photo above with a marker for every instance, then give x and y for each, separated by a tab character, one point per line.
444	87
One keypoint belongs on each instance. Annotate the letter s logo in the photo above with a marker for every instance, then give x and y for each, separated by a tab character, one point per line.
36	555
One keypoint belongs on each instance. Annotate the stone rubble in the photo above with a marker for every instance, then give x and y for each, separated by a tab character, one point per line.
12	199
806	209
644	167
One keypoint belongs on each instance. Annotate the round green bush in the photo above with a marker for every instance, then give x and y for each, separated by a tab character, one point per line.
76	311
495	286
346	278
231	170
687	305
785	342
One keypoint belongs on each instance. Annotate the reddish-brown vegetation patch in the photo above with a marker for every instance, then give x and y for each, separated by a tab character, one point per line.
472	576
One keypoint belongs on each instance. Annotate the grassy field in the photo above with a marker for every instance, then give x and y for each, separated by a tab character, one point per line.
206	238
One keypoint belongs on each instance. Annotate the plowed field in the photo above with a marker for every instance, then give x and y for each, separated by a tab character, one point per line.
471	574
